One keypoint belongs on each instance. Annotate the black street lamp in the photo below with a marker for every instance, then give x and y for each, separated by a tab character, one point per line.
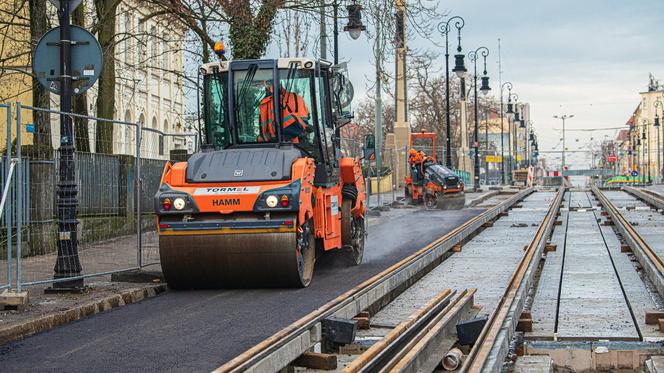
502	130
658	104
472	56
510	111
459	69
354	27
646	145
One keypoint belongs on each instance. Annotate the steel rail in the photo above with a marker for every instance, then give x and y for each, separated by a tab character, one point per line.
280	349
378	356
502	319
649	259
424	352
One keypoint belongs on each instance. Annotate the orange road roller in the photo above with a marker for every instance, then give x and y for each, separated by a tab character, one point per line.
268	192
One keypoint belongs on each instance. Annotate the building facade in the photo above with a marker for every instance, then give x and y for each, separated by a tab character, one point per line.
149	87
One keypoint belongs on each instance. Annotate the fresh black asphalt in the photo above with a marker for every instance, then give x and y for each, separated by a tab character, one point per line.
200	330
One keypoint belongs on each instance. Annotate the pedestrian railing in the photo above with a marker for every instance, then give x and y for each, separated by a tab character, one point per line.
118	167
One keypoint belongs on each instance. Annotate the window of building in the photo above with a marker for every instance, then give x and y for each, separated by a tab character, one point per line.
128	53
140	50
154	52
166	55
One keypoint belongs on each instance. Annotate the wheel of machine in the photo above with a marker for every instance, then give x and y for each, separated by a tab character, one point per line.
409	196
430	201
306	253
352	233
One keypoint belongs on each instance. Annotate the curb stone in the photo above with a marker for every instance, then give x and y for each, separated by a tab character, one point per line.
50	321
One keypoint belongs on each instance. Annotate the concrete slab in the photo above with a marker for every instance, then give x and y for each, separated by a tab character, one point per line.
485	263
533	364
545	303
591	305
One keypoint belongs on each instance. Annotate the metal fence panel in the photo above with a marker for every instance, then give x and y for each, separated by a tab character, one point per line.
106	210
7	207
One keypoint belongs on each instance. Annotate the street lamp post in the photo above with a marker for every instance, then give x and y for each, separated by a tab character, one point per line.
459	69
502	130
658	104
472	56
646	156
510	110
522	125
486	146
563	117
516	120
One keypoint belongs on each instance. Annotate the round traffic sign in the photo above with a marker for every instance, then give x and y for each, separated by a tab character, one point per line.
86	60
635	173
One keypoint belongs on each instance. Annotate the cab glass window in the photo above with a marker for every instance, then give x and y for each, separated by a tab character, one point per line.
253	107
217	132
299	114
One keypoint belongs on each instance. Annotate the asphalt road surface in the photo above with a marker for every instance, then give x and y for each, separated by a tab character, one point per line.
200	330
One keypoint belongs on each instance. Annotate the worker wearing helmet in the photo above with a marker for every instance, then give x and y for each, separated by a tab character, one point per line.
294	116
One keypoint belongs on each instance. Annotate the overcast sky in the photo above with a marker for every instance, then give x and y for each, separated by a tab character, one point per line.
589	58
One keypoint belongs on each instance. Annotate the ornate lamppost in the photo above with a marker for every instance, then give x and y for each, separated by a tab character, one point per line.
473	56
459	69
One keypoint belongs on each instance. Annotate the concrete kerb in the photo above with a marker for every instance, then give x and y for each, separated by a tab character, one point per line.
483	197
649	267
501	347
23	329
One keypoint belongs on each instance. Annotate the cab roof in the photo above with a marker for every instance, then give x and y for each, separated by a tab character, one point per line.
282	63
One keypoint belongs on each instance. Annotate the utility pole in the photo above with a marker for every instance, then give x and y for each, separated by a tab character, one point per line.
399	139
563	117
502	125
323	32
68	263
379	110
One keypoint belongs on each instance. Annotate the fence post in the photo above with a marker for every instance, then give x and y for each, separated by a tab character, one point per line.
19	198
8	215
139	255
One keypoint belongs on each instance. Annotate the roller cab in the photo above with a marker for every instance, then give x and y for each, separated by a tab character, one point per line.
267	193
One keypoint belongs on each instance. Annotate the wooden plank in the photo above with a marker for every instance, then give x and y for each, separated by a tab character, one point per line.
313	360
550	247
362	322
525	325
652	317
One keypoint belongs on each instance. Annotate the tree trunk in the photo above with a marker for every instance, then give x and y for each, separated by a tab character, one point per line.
80	102
105	10
40	96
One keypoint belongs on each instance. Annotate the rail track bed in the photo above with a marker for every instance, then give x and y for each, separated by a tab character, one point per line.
594	303
471	281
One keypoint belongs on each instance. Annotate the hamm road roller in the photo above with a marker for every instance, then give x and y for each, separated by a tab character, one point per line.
268	192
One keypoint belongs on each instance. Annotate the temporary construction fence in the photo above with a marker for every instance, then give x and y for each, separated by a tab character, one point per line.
116	225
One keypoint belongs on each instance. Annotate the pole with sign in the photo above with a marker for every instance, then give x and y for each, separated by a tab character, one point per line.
77	69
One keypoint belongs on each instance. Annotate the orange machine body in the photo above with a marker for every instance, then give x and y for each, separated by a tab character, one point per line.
417	158
322	204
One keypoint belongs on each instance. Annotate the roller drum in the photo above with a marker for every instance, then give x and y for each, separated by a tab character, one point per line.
230	260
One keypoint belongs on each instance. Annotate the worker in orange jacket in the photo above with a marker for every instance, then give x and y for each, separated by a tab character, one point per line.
294	116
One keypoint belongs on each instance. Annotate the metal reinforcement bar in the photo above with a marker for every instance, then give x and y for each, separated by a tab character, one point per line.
277	351
648	258
492	346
